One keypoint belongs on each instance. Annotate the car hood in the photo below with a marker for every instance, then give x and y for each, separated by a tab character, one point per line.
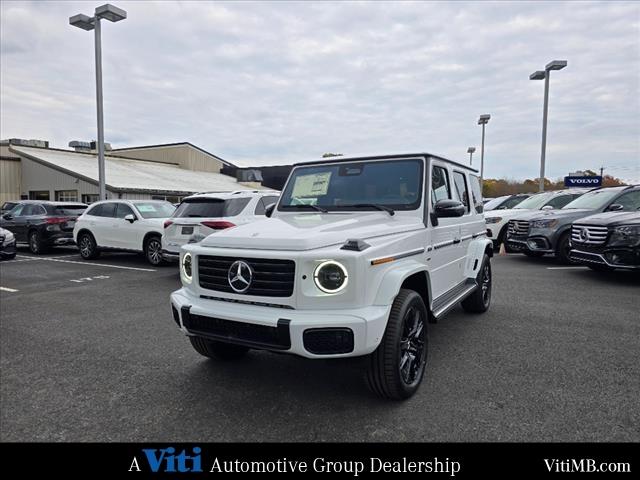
309	231
612	219
571	213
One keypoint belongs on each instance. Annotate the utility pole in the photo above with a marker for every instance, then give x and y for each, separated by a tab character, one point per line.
601	170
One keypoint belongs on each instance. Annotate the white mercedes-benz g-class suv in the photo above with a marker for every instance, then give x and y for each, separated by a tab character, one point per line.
358	255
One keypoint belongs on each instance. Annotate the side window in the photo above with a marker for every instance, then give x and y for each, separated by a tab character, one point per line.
123	210
559	201
108	210
260	207
96	211
630	201
461	188
264	203
511	202
18	210
440	188
31	209
234	206
476	193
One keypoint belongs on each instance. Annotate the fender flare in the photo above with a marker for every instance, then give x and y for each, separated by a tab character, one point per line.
392	281
475	253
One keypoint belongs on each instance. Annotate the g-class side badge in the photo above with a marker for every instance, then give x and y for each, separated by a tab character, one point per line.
240	276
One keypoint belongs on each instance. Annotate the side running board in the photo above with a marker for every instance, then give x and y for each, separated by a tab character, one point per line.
450	299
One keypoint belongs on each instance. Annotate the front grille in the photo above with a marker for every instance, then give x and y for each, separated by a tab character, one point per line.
271	277
588	234
328	341
518	228
250	334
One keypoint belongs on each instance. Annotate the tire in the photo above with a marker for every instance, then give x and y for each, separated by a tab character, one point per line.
88	246
480	300
533	254
153	250
217	350
562	249
405	340
502	236
36	245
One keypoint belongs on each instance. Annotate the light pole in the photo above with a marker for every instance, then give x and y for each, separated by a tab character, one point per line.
113	14
544	75
470	151
483	120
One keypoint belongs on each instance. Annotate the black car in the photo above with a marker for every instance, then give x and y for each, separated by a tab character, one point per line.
7	206
7	245
607	241
42	224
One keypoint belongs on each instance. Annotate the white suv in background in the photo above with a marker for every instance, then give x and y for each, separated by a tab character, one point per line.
498	220
202	214
123	225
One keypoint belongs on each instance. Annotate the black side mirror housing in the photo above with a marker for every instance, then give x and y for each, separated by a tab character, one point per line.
615	207
447	208
7	216
268	211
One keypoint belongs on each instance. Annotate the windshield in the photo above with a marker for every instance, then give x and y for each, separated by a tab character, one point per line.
69	210
396	184
155	209
537	201
491	204
211	207
593	200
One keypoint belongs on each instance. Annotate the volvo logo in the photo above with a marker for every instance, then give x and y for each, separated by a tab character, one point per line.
240	276
584	235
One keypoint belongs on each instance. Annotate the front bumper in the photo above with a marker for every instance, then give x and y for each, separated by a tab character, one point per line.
170	256
280	329
8	250
604	258
531	243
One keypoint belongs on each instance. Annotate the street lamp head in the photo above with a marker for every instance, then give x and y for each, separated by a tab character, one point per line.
556	65
538	75
484	119
111	13
471	149
81	21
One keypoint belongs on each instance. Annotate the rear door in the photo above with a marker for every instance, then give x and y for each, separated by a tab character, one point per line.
102	225
13	220
32	215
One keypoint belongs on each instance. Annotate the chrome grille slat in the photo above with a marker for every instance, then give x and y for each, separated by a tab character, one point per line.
596	235
518	228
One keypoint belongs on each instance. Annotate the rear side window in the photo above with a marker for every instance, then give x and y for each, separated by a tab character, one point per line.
211	207
34	210
476	193
123	210
461	189
103	210
69	210
559	201
440	188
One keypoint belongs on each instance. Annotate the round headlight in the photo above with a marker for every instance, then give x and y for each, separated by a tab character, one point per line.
186	268
330	276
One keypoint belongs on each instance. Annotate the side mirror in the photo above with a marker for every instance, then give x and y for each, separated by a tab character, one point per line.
130	218
449	208
547	207
7	216
268	211
615	207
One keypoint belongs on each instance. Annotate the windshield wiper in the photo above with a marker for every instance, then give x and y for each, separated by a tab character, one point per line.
307	205
377	206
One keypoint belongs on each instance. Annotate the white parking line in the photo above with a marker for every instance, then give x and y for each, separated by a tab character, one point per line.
566	268
5	289
101	265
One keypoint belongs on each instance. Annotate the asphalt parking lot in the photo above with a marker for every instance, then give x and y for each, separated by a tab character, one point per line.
89	352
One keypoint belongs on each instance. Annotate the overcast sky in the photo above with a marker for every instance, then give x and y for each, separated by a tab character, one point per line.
284	81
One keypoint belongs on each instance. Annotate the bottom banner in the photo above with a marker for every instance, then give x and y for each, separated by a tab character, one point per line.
455	460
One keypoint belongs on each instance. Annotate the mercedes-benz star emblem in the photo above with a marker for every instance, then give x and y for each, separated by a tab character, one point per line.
240	276
584	235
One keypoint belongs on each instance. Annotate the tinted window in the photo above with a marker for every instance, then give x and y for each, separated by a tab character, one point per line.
476	193
512	202
461	188
123	210
8	205
264	203
95	211
630	200
559	201
103	210
594	199
69	210
440	188
495	203
17	210
352	186
155	209
211	207
31	209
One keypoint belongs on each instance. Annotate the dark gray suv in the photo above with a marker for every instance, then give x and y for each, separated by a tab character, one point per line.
539	233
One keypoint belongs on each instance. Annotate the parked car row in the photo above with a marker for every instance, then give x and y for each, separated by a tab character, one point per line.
155	228
600	228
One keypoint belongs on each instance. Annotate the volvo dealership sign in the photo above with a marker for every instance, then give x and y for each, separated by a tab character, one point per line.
583	181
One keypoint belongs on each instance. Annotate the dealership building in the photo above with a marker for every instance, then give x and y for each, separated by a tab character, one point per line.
29	169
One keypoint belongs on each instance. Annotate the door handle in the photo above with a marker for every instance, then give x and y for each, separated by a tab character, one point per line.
456	240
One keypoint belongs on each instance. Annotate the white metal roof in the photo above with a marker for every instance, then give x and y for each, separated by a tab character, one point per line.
129	174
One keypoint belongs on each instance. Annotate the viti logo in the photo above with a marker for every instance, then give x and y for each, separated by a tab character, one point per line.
166	460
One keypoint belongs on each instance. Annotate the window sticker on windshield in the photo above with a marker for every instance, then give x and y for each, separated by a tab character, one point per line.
146	208
313	185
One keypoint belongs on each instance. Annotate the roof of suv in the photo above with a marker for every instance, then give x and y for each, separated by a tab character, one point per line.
236	194
50	202
395	156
